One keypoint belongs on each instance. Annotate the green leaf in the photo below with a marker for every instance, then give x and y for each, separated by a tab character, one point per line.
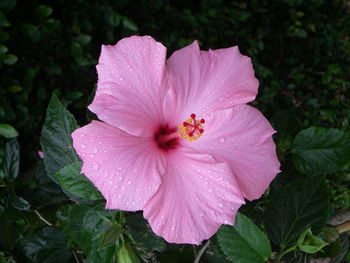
3	49
74	182
111	235
214	254
10	199
296	207
7	131
11	160
3	20
31	31
128	24
83	39
321	150
78	54
83	224
42	11
56	140
145	240
9	59
112	18
47	245
46	192
126	254
15	89
309	243
244	242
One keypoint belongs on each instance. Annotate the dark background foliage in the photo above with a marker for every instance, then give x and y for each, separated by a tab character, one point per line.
301	55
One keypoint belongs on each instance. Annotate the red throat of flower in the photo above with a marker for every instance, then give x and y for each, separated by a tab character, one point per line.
167	138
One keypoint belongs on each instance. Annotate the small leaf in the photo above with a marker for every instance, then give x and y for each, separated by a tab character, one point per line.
295	208
244	242
10	199
3	49
7	131
83	39
111	235
3	20
127	255
321	150
11	160
112	18
15	88
128	24
9	59
309	243
42	11
145	240
31	31
47	245
74	182
56	138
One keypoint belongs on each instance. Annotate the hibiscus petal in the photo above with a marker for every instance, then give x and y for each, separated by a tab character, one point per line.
242	137
126	169
129	88
203	81
196	196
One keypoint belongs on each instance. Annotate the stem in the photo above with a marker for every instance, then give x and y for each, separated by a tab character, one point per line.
76	256
344	227
42	218
201	251
286	252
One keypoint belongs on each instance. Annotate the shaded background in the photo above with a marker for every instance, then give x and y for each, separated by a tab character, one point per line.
300	51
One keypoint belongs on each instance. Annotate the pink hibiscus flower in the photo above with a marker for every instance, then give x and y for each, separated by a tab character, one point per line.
176	138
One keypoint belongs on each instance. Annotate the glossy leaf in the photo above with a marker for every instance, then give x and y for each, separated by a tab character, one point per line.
295	208
9	59
83	224
321	150
74	182
244	242
111	235
145	240
42	11
10	199
7	131
11	161
56	138
47	245
47	191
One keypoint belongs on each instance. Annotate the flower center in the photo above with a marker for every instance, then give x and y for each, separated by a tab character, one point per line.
192	129
166	138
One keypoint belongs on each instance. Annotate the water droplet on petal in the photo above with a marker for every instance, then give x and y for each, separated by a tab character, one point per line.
95	165
83	145
221	140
